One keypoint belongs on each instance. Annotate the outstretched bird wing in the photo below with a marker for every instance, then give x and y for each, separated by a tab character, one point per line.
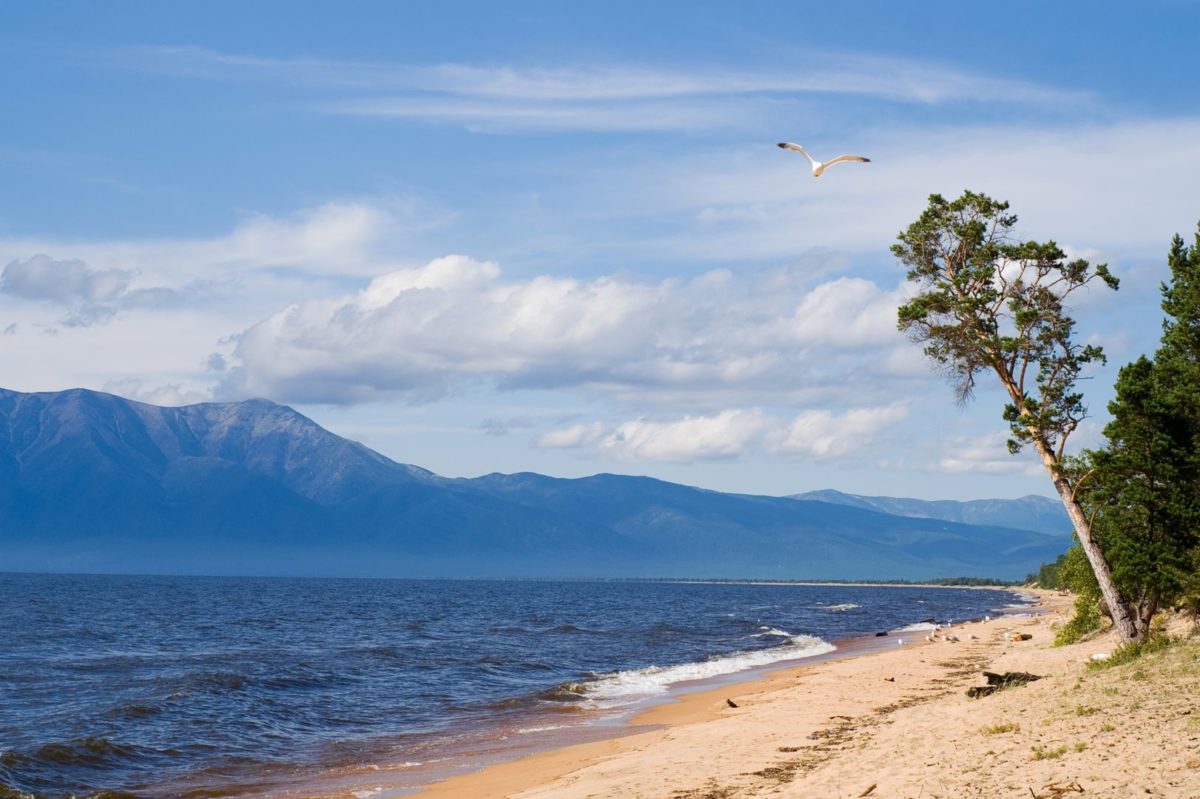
841	159
787	145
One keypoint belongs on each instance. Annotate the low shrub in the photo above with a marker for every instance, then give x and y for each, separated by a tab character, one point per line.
1155	642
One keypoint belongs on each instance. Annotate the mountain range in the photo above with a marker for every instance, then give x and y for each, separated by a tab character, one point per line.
1030	512
91	482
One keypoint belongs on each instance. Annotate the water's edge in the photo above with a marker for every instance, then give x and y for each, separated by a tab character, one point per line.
194	688
414	779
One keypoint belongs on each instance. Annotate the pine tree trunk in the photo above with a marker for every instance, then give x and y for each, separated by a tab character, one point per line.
1123	616
1146	610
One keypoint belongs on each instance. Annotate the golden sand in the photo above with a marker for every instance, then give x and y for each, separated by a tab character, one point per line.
898	724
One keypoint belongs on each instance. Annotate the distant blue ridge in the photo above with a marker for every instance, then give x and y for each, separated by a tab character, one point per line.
1027	513
91	482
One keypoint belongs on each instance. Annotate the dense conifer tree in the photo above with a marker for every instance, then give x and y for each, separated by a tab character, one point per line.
1143	488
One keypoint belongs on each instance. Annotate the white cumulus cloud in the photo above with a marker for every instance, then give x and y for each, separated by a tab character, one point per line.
812	435
827	434
725	435
984	454
577	435
456	322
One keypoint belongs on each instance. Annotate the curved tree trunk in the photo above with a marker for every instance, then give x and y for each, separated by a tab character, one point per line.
1123	616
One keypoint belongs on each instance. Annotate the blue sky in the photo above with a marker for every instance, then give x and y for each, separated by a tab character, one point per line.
558	237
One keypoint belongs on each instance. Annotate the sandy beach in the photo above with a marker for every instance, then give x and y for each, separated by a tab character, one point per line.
898	723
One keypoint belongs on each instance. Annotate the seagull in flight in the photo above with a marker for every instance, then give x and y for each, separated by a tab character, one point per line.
819	167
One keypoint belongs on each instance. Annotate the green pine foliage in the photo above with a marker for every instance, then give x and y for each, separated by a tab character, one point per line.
1049	576
1142	489
991	303
1075	574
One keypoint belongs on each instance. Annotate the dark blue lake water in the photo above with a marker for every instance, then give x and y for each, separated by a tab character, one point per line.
168	686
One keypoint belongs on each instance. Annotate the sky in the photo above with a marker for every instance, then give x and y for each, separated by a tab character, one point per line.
558	237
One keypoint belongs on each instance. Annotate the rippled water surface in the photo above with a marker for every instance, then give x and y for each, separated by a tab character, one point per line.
169	686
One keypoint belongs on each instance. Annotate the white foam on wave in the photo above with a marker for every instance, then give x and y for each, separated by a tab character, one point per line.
841	608
543	728
767	631
919	627
623	687
1024	603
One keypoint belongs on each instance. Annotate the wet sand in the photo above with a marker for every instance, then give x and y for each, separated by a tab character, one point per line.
897	723
893	722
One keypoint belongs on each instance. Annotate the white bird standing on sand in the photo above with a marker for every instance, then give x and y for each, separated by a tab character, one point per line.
819	167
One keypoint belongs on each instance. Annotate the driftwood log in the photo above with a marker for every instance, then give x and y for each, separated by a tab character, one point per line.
999	681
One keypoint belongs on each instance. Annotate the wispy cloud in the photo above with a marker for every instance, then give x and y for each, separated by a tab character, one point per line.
1094	187
604	97
817	73
485	115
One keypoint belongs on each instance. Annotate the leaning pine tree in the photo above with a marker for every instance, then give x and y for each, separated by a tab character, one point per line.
988	302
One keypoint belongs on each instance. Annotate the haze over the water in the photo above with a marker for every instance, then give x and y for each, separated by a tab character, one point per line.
561	238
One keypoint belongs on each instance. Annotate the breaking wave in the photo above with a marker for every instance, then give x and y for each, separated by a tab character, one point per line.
623	687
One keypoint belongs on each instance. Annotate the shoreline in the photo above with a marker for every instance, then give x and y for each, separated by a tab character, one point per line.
549	773
506	770
898	724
